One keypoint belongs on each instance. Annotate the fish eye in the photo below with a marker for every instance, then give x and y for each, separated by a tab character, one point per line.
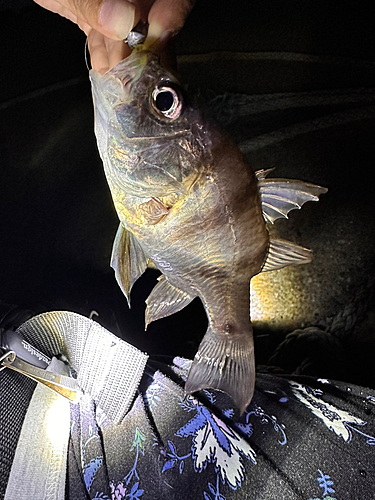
167	102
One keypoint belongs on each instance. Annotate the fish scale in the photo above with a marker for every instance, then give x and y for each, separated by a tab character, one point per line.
188	201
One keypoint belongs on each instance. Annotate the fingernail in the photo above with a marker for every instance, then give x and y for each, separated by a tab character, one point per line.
157	35
116	17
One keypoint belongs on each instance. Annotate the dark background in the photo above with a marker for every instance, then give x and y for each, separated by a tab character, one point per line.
57	222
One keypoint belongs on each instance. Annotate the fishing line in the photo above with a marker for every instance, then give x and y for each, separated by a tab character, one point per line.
86	51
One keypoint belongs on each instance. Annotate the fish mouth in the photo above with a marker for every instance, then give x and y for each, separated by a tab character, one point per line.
117	84
115	87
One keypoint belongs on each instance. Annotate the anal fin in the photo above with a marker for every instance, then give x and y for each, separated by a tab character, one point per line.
164	300
283	253
128	260
224	362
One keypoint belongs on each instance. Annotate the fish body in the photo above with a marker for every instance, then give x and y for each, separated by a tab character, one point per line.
188	201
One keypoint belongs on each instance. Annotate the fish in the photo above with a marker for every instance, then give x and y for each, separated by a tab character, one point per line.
189	203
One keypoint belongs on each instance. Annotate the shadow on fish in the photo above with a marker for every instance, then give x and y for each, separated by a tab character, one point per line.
189	202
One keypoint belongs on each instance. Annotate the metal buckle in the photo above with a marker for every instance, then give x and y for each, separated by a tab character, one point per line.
60	384
8	356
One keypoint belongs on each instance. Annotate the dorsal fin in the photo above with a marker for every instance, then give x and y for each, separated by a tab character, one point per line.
262	174
280	196
283	253
128	260
164	300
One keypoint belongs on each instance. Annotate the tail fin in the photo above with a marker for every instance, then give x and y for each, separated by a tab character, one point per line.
224	362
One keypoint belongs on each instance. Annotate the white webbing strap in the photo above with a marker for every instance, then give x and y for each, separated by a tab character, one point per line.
39	465
108	369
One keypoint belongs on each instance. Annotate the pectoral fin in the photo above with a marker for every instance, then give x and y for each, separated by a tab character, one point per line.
282	253
128	260
153	211
280	196
164	300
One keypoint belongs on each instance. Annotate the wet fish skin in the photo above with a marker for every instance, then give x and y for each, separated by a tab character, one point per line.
188	201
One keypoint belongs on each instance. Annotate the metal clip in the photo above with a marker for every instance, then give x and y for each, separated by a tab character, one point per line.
61	384
137	35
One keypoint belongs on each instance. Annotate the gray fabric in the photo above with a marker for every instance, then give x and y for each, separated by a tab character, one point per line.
16	391
41	454
100	358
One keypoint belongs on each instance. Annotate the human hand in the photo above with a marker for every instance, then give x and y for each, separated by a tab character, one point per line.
108	22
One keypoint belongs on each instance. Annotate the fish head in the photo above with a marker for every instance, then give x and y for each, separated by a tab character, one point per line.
150	137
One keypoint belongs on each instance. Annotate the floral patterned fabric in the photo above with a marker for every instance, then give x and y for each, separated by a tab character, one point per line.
298	439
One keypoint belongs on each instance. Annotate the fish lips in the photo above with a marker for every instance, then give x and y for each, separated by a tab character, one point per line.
118	83
120	95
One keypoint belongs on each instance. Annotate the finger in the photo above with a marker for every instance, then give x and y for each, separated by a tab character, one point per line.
166	18
117	51
105	52
86	28
98	51
58	8
113	18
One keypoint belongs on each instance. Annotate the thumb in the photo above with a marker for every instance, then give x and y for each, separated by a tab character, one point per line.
166	18
113	18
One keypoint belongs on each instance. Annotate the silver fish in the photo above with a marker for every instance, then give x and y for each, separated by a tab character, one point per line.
189	202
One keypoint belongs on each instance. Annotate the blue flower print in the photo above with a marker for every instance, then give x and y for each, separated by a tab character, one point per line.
137	445
214	442
90	470
135	493
174	459
152	394
216	495
325	483
264	419
339	421
120	491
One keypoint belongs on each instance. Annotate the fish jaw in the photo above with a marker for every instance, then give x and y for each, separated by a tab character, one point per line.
119	83
111	89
